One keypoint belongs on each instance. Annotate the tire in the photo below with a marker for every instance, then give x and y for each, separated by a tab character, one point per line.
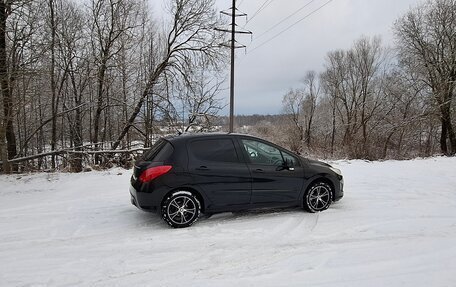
181	209
318	197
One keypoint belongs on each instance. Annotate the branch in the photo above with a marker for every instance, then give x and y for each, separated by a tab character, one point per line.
64	151
46	122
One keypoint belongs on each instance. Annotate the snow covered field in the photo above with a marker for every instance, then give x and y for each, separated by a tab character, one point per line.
396	226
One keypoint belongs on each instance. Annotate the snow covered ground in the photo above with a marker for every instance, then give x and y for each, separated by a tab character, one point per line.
396	226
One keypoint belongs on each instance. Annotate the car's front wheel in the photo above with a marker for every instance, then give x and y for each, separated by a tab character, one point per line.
181	209
318	197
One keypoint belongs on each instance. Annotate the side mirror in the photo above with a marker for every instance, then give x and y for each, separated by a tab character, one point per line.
287	164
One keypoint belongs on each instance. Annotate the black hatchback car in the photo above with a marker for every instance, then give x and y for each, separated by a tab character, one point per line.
184	175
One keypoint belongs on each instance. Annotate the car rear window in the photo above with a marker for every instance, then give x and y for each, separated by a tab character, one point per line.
220	150
160	151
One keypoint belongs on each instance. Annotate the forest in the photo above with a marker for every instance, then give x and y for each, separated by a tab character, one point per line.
91	84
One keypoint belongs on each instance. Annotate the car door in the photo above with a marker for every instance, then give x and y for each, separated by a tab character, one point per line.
277	175
217	169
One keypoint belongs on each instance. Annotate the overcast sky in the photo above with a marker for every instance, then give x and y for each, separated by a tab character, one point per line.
265	74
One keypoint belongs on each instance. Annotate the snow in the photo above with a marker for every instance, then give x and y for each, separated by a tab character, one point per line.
396	226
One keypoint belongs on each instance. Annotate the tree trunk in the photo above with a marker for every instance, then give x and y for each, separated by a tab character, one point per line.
53	84
4	86
99	109
7	132
76	160
333	132
151	82
387	141
3	152
131	120
451	132
447	130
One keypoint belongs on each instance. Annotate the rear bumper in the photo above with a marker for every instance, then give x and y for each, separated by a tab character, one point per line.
142	200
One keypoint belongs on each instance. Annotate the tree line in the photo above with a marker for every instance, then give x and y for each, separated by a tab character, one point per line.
375	102
81	80
90	83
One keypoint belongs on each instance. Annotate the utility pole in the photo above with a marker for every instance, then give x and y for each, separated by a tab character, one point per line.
232	46
233	38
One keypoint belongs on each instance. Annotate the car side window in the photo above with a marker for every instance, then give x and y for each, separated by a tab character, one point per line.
261	153
218	150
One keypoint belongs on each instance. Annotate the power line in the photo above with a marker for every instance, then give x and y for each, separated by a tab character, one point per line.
292	25
285	19
262	7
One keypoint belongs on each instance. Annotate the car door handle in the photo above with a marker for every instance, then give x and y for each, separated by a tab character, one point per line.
258	170
203	167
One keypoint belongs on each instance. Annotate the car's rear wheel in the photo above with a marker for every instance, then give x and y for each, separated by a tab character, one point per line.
318	197
181	209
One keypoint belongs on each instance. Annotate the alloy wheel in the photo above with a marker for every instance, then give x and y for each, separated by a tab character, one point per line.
318	197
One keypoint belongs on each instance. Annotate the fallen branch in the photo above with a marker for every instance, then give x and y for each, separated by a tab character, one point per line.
66	151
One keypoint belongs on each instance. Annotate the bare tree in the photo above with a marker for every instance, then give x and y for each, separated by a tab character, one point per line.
6	129
353	79
199	101
54	96
111	19
71	72
189	42
426	40
292	107
309	104
75	63
6	122
409	126
369	62
16	30
332	80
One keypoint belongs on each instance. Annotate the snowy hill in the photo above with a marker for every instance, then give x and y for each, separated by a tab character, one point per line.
396	226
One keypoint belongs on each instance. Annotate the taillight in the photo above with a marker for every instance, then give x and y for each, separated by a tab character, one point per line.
154	172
